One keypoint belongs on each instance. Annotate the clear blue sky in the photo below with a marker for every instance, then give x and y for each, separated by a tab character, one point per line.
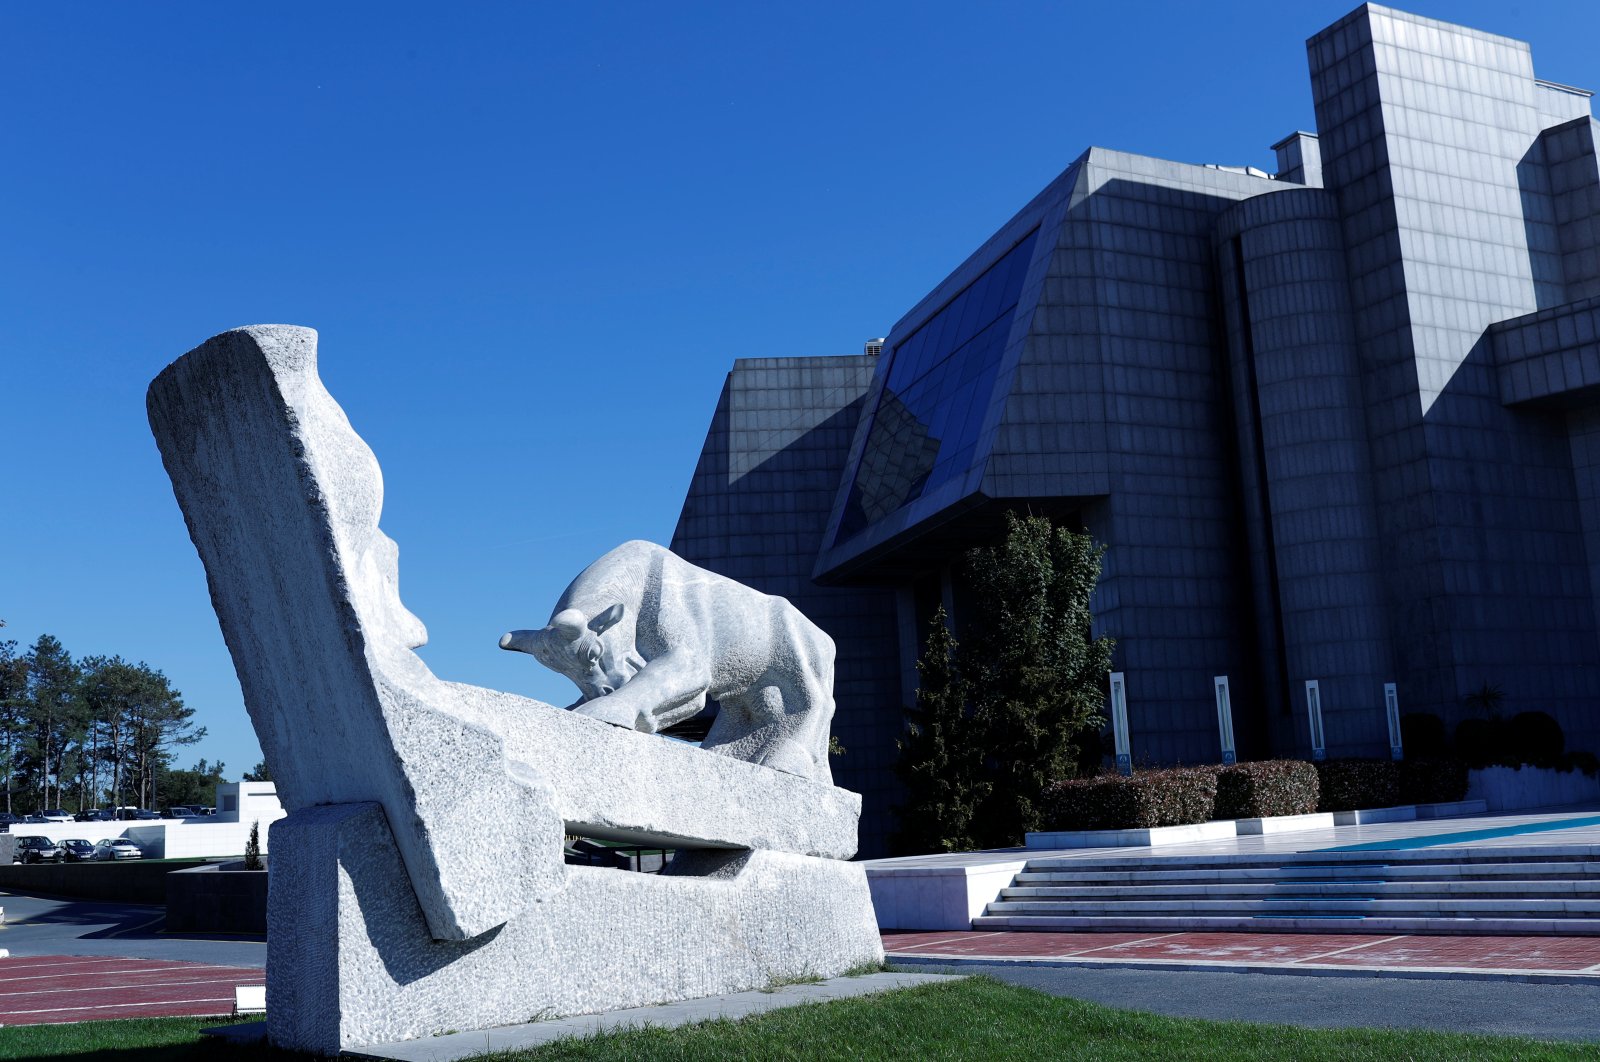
533	239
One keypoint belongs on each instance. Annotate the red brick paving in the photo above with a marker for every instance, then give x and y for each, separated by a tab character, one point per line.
1548	954
48	989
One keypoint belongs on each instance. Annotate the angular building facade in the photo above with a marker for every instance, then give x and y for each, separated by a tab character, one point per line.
1338	424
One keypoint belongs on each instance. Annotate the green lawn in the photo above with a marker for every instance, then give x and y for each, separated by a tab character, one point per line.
972	1019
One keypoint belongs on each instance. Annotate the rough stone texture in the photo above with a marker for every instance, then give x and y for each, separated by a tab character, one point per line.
282	499
625	785
647	637
353	962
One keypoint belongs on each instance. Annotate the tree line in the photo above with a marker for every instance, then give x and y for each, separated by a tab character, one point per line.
93	732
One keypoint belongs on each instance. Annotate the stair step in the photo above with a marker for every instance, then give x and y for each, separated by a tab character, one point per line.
1506	908
1578	853
1527	871
1216	923
1529	890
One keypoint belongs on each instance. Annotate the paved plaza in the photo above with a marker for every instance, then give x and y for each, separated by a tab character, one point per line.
50	989
1536	958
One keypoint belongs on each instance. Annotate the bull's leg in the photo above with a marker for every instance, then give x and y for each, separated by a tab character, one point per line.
771	724
671	688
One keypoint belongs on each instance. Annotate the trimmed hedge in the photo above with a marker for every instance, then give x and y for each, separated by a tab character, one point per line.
1350	785
1424	736
1176	796
1268	787
1536	738
1482	742
1433	781
1531	738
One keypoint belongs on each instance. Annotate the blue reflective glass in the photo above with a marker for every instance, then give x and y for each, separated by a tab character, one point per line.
940	379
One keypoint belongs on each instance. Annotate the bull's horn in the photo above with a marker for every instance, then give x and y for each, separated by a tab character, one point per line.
569	623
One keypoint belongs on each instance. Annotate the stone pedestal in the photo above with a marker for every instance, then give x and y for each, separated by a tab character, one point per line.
350	959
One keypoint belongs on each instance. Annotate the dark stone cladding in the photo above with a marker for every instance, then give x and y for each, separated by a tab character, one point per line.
1347	433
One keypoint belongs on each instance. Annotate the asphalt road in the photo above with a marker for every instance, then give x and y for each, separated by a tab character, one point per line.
1505	1008
39	926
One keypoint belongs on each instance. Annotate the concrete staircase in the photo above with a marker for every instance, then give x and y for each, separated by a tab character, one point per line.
1534	890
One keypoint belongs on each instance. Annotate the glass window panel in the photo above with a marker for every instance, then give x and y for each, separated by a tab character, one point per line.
994	297
930	413
970	308
903	370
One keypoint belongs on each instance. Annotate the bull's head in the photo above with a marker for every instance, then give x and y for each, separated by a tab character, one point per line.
572	645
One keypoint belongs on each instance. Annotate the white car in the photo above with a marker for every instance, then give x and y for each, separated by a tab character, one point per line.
116	848
56	815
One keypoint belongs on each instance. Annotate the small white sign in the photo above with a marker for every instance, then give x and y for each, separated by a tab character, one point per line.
1119	723
1391	705
250	999
1319	748
1225	719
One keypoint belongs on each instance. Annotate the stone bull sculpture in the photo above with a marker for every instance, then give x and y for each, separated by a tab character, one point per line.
647	637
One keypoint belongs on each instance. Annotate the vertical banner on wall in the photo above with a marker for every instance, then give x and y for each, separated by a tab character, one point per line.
1391	705
1119	723
1319	748
1225	719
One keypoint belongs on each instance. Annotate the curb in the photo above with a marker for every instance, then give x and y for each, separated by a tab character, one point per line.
1419	973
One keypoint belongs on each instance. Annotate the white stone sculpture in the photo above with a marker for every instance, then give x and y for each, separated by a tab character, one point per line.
646	637
389	916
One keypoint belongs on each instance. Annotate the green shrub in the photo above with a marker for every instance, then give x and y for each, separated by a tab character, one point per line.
1176	796
1584	761
1483	742
1269	787
1440	780
1350	785
1423	735
1536	738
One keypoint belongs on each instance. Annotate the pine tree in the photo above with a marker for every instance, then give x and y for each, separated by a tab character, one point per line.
252	847
1015	705
13	714
54	716
1037	672
940	763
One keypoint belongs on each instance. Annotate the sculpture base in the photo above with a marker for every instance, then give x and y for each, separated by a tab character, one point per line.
350	960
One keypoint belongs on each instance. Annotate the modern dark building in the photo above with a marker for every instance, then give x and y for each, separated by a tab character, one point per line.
1340	423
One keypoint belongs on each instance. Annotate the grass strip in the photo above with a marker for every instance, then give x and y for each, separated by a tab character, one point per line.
976	1018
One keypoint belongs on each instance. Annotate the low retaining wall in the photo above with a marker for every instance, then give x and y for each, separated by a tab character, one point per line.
129	882
1514	788
935	897
1220	829
210	899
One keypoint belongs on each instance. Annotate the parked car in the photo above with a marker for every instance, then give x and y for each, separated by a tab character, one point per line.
129	814
76	850
181	811
6	820
33	849
56	815
98	815
115	848
36	820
